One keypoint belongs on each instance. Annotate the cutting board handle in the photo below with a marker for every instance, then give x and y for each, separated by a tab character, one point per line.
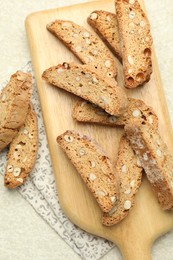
136	250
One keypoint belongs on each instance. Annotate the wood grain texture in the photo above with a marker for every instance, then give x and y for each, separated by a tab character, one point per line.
146	221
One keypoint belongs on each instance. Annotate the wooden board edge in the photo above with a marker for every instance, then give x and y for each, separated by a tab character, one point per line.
31	15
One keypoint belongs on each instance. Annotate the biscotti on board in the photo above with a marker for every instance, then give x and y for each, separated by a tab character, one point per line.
22	152
84	111
105	25
129	171
86	46
156	160
83	82
93	165
14	103
134	29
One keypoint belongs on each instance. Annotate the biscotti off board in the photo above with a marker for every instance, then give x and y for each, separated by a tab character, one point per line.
56	104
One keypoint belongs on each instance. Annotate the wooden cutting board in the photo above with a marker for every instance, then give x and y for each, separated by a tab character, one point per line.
146	221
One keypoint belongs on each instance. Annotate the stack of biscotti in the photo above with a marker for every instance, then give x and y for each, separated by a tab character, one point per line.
17	115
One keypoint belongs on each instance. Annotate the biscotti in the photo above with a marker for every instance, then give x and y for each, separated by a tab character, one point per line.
84	111
86	46
6	136
129	171
156	160
22	152
93	165
81	81
105	25
14	103
134	29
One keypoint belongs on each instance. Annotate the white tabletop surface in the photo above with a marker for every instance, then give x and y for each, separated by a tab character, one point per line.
23	234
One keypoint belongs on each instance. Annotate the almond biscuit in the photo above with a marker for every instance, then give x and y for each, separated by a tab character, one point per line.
155	158
129	171
136	41
93	165
86	46
105	25
22	152
85	83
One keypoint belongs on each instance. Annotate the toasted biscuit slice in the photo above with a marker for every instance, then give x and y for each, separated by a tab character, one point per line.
156	160
86	46
14	103
105	25
129	171
6	136
22	152
84	111
81	81
136	40
93	165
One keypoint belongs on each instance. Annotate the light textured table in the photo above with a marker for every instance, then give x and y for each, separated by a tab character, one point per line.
23	234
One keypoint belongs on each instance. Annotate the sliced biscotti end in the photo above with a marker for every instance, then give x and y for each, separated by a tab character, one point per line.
106	26
22	152
136	39
156	160
84	111
84	82
6	136
129	171
93	165
14	100
87	46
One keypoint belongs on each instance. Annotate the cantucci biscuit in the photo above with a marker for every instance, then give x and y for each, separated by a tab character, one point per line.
136	40
22	152
93	165
105	25
129	171
14	103
6	136
156	160
85	83
84	111
86	46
